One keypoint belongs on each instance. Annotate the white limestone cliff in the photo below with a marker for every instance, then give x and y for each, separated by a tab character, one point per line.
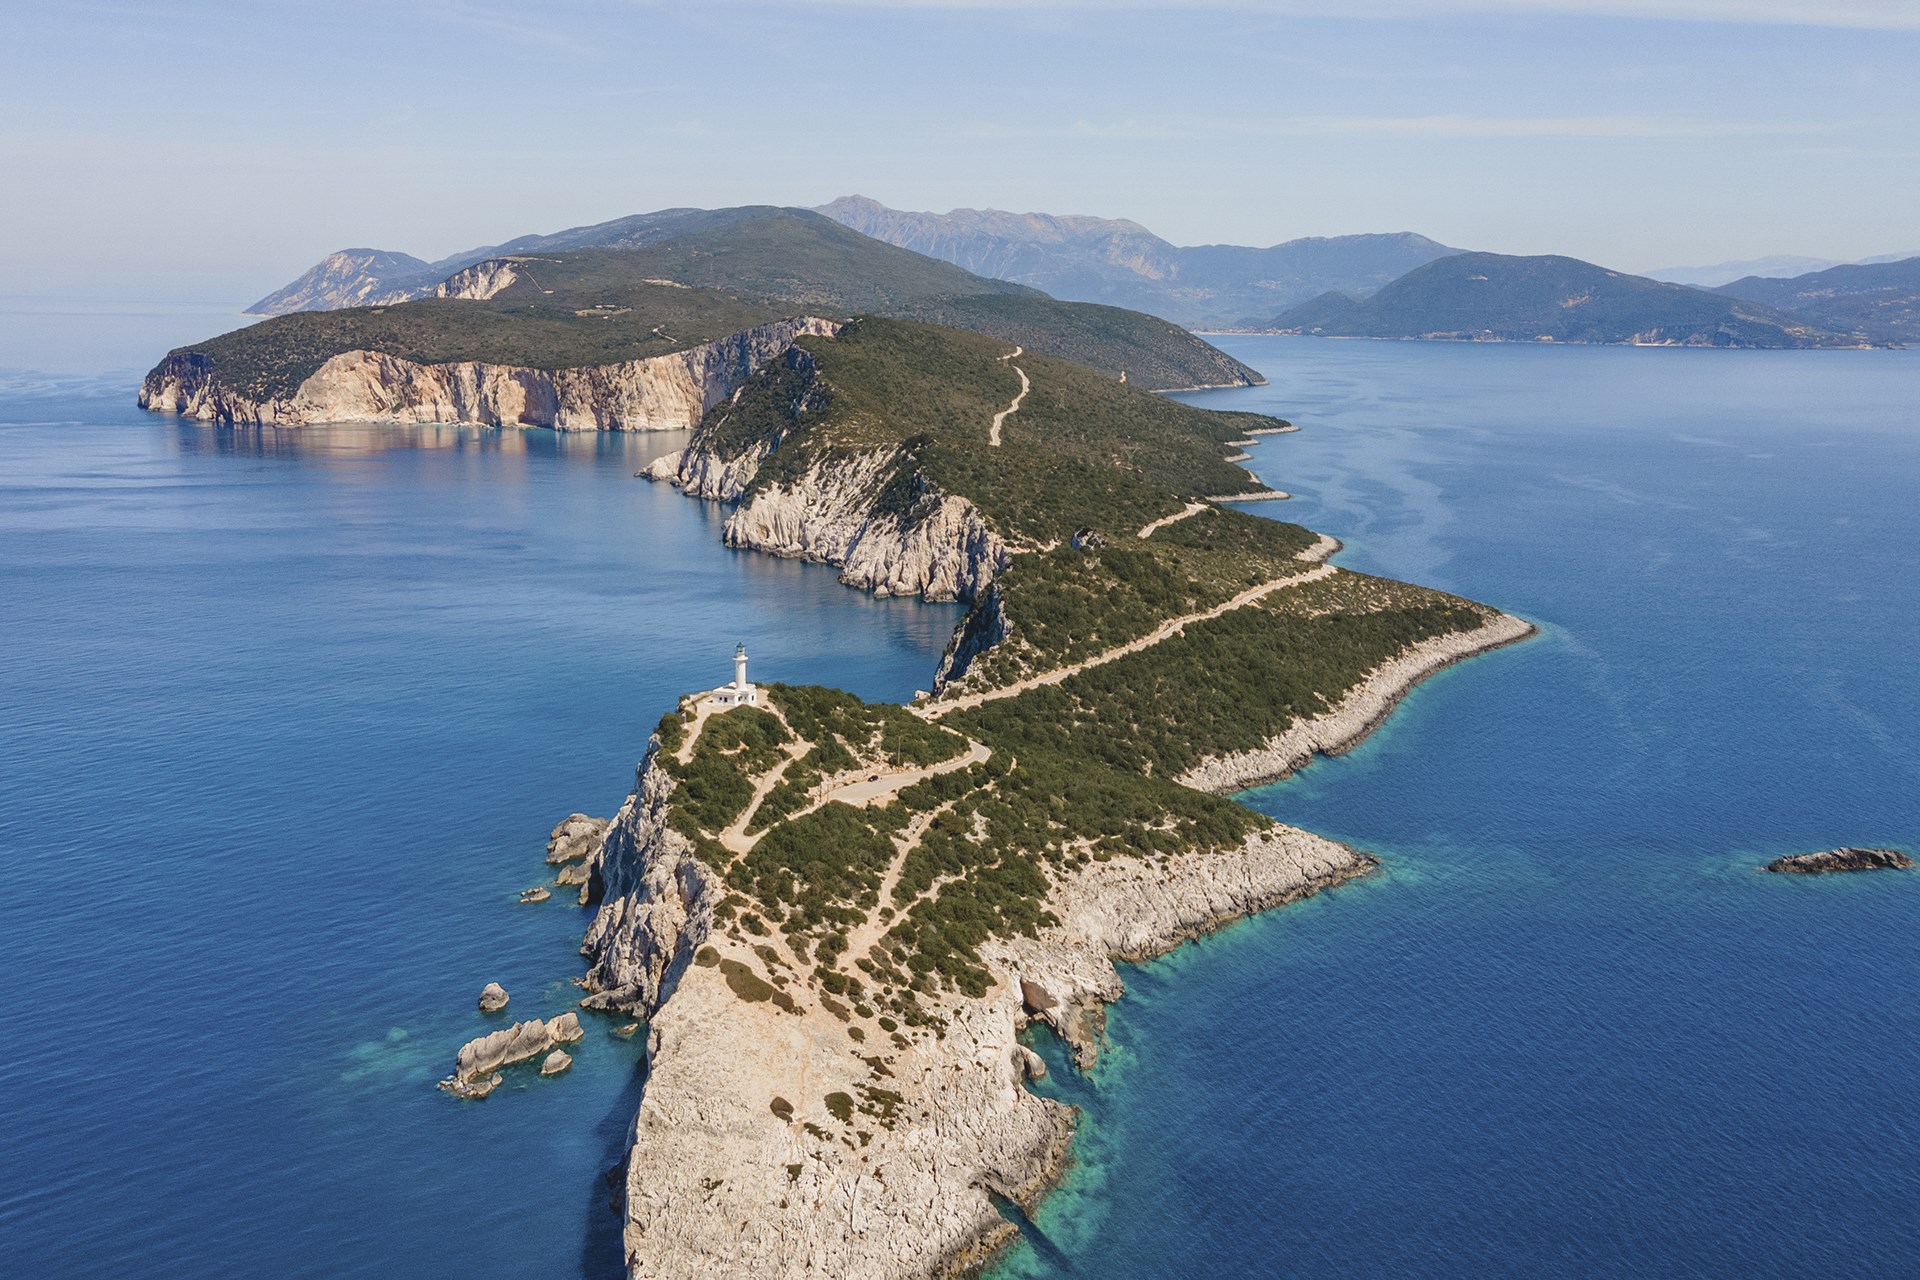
656	900
939	546
482	280
661	393
846	510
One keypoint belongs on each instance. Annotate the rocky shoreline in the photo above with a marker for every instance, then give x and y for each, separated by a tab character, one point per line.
798	1138
1362	711
939	547
661	393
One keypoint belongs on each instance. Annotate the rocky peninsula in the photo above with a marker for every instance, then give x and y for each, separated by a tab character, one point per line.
838	918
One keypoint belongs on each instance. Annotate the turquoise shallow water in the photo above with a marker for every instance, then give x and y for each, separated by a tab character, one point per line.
1568	1030
285	719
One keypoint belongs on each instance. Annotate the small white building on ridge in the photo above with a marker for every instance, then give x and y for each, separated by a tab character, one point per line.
740	693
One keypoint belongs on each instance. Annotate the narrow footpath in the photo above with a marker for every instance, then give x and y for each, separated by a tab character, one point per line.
993	432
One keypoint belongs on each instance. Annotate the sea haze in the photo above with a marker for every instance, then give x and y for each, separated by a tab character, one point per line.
1569	1029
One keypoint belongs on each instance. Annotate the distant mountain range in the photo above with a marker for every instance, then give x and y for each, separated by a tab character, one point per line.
1879	300
1719	273
1078	259
1778	265
1398	285
1118	262
1492	297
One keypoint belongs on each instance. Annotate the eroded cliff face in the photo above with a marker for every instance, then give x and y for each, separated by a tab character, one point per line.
938	546
778	1138
656	900
888	534
482	280
663	393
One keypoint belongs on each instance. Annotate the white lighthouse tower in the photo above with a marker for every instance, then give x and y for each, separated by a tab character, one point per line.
741	693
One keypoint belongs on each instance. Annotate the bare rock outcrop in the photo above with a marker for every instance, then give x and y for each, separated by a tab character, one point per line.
1836	860
493	998
477	1068
574	837
939	546
482	280
661	393
656	901
556	1062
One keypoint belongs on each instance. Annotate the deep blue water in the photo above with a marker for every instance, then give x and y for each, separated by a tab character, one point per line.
1569	1030
285	718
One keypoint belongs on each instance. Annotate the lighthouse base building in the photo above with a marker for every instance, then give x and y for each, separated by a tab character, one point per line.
741	693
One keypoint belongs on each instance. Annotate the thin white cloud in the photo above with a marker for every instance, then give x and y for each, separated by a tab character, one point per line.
1467	126
1432	126
1883	15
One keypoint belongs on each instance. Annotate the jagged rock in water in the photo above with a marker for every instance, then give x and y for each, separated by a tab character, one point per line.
1832	860
576	837
557	1061
493	998
539	893
476	1070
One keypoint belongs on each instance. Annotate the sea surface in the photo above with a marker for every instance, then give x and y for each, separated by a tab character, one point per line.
1569	1029
285	718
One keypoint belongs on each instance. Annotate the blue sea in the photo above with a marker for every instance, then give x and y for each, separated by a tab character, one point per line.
285	718
1568	1030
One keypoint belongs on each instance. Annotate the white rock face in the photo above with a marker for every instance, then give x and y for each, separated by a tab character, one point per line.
662	393
480	281
739	1166
350	278
656	901
493	998
574	837
940	547
476	1070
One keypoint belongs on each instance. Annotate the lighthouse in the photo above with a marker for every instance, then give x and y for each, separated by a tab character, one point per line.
740	693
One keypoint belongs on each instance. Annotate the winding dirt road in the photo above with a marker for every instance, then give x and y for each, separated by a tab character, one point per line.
993	432
1171	627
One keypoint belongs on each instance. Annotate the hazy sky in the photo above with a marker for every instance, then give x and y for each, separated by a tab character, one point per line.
211	150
